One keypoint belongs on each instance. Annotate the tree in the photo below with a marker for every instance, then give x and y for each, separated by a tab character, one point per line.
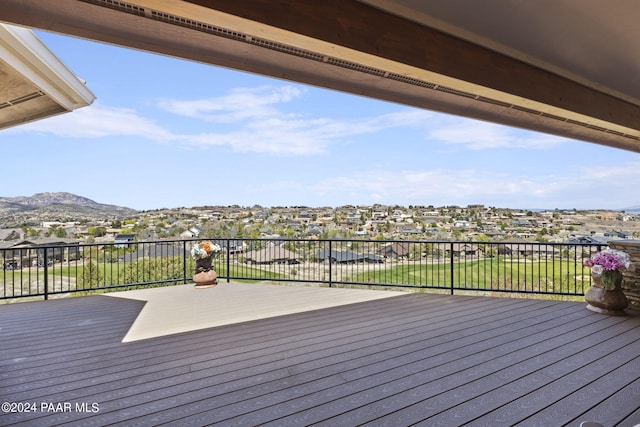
154	270
239	230
30	231
97	231
91	276
57	232
540	236
415	252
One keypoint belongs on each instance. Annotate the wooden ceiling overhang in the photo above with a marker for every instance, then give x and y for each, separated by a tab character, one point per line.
351	47
34	84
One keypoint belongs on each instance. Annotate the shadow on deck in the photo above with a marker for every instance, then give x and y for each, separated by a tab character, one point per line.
414	358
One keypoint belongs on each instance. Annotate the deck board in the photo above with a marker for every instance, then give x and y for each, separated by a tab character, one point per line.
331	366
477	389
416	358
623	401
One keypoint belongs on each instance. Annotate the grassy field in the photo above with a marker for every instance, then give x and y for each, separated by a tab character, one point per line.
94	275
490	274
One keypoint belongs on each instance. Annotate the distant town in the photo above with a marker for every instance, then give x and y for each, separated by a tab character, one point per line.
378	222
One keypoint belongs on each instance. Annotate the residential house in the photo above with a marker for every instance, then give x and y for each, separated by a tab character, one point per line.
232	246
592	240
38	251
314	230
272	255
395	250
155	250
353	218
461	224
123	240
521	222
618	235
192	232
410	229
463	249
260	216
347	257
305	217
11	234
624	217
379	215
456	249
527	249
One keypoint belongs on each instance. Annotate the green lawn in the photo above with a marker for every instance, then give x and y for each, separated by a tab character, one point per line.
489	274
90	275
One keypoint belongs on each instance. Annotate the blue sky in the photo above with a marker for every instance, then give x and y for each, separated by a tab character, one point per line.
166	133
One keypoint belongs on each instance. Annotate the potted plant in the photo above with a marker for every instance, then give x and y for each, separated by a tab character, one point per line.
605	294
204	253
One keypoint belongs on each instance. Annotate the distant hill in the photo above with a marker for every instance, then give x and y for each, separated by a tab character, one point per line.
63	207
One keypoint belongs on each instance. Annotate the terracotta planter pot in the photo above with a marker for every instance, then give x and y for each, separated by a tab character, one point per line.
206	279
607	301
205	276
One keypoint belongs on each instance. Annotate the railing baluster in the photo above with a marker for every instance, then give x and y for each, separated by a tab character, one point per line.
46	275
228	260
184	261
330	264
451	264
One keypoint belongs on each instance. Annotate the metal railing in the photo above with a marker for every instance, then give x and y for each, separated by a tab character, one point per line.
534	268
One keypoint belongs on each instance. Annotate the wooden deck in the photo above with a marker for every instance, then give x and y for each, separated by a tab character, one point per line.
413	359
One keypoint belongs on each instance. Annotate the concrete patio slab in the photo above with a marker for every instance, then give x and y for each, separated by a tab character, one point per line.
183	308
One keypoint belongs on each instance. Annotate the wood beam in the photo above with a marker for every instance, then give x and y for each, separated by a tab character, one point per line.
472	68
350	47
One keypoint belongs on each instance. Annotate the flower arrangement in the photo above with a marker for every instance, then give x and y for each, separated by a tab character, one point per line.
205	249
604	263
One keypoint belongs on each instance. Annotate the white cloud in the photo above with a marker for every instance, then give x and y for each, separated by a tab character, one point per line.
607	187
258	123
261	127
255	120
477	135
240	104
98	121
244	141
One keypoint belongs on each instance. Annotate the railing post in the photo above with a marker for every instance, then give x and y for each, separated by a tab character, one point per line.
184	261
228	260
46	275
451	264
330	264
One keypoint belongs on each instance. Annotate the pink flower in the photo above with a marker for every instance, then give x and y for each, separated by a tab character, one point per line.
608	260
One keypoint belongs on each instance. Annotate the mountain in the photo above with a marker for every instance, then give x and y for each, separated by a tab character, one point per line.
46	199
62	207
